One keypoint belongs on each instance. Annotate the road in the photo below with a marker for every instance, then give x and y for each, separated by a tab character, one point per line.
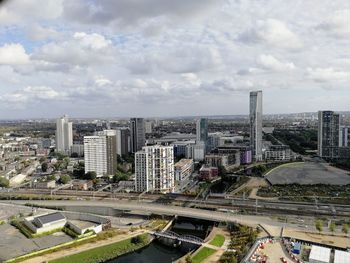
263	206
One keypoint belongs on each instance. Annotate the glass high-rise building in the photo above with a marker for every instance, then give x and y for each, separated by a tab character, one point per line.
255	119
328	134
137	134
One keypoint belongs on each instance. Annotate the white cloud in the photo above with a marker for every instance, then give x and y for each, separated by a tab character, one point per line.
273	32
328	74
338	24
92	41
13	54
269	62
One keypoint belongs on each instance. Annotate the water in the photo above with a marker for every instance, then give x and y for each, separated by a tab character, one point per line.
155	252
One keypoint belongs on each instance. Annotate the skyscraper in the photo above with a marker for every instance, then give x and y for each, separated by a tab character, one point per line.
344	136
100	154
202	130
123	137
154	169
137	134
64	135
328	134
255	118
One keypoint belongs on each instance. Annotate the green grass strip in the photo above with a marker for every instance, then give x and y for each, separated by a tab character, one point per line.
202	254
218	241
104	253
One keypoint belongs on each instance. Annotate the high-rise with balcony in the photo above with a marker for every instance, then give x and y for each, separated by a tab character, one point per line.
100	154
154	169
328	134
255	119
137	134
64	135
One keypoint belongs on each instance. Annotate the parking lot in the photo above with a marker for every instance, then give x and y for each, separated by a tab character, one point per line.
308	173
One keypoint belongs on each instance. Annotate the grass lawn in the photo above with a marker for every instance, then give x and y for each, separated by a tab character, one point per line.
218	241
202	254
104	253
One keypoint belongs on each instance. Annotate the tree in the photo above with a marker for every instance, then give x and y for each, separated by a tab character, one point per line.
90	175
319	225
64	179
44	167
345	228
4	182
79	170
332	227
189	259
74	155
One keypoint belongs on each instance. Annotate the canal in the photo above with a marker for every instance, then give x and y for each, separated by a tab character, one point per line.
158	252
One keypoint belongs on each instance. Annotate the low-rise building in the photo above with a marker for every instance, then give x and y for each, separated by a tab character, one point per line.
208	173
45	184
278	153
226	160
82	184
341	256
319	254
45	223
183	168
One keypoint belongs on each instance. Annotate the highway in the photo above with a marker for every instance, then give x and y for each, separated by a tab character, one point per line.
213	203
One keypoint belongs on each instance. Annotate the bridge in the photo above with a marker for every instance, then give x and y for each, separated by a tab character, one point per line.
183	238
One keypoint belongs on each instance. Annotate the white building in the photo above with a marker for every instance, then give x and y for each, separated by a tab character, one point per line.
278	153
154	169
255	118
344	136
100	154
64	135
183	168
148	126
196	151
341	256
319	254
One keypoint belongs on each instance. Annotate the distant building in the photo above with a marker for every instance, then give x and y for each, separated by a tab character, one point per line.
208	173
154	169
180	148
255	118
344	136
183	168
100	154
278	153
77	149
196	151
202	131
226	160
45	184
328	134
64	135
137	134
148	127
123	138
82	184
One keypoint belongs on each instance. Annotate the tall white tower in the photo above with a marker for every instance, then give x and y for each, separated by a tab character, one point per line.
255	118
64	135
154	169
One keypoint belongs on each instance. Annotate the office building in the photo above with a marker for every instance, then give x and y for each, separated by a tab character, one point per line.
123	138
344	136
137	134
148	127
100	154
196	151
278	153
255	118
154	169
64	135
328	134
183	168
202	131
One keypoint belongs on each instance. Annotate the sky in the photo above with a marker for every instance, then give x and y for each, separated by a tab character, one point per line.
123	58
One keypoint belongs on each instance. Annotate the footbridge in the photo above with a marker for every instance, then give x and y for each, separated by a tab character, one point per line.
183	238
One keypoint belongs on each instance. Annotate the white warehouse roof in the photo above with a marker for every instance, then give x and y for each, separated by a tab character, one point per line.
319	254
341	256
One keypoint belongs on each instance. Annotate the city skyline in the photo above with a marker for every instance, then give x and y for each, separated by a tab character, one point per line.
139	60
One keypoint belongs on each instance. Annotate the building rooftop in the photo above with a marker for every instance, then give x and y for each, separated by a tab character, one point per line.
341	256
320	254
44	219
183	162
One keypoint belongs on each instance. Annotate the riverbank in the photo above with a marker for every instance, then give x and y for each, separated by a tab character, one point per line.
82	248
108	252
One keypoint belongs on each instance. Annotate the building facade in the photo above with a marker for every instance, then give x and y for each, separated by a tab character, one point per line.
344	136
123	138
255	119
328	134
100	154
202	131
64	135
137	134
183	168
154	169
